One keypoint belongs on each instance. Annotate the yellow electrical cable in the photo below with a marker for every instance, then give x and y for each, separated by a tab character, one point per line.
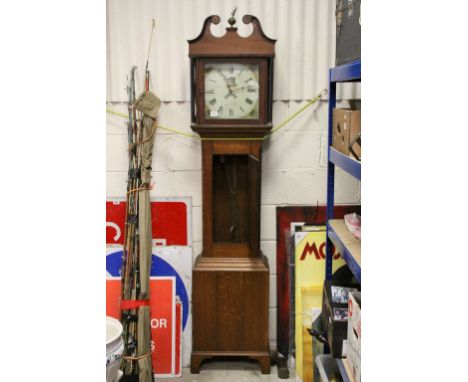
116	113
188	135
274	130
311	102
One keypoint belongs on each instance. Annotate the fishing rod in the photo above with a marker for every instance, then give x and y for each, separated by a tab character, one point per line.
147	60
130	130
131	287
129	254
135	314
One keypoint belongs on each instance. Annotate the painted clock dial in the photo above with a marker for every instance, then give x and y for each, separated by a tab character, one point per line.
231	91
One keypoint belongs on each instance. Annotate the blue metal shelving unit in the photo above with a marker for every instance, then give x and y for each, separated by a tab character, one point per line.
337	233
346	251
350	165
347	72
350	72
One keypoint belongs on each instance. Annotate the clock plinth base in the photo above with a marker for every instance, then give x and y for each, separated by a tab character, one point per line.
263	358
230	309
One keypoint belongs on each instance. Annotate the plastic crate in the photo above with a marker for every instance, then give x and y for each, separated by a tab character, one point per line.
328	368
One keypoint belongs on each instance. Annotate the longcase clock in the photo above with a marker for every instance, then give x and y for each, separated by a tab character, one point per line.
232	79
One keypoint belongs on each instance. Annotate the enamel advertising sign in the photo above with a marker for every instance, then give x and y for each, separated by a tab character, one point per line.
163	322
171	219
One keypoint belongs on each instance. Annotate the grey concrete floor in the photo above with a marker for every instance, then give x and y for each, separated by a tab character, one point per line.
228	371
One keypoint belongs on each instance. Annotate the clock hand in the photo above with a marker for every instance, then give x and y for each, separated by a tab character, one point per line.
230	93
220	72
239	89
242	88
230	82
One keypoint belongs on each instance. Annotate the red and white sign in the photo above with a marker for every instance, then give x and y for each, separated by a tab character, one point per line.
171	219
166	261
163	322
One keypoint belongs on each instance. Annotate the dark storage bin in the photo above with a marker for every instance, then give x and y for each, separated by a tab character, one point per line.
335	313
348	31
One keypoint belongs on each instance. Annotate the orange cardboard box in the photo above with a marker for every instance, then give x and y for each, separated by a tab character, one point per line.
346	126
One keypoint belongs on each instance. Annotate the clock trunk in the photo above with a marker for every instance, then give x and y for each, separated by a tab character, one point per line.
231	191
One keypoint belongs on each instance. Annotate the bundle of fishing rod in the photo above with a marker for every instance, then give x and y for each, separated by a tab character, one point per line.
136	262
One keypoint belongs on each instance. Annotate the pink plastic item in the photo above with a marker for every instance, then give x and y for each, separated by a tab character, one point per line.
353	223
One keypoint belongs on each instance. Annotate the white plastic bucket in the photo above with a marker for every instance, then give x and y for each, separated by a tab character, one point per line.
114	349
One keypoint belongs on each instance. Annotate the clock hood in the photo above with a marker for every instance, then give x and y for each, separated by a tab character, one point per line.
255	45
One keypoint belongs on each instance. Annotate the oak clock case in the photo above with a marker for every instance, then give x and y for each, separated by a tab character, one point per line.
231	110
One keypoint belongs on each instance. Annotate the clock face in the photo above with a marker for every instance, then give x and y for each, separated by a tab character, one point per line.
231	91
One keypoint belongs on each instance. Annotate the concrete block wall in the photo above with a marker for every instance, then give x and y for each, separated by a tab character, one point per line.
293	170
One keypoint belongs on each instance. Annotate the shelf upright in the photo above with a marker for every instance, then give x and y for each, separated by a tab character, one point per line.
350	72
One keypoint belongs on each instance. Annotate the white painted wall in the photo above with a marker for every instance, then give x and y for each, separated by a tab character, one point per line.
294	159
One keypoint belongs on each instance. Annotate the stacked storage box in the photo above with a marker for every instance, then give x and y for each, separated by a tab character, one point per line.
352	346
335	313
346	137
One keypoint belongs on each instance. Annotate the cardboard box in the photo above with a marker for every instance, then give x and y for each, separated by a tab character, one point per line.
354	322
352	345
346	126
352	366
352	362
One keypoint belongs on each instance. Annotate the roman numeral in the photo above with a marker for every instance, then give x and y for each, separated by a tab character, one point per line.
220	110
249	101
242	109
231	112
210	91
212	102
212	80
251	89
250	79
